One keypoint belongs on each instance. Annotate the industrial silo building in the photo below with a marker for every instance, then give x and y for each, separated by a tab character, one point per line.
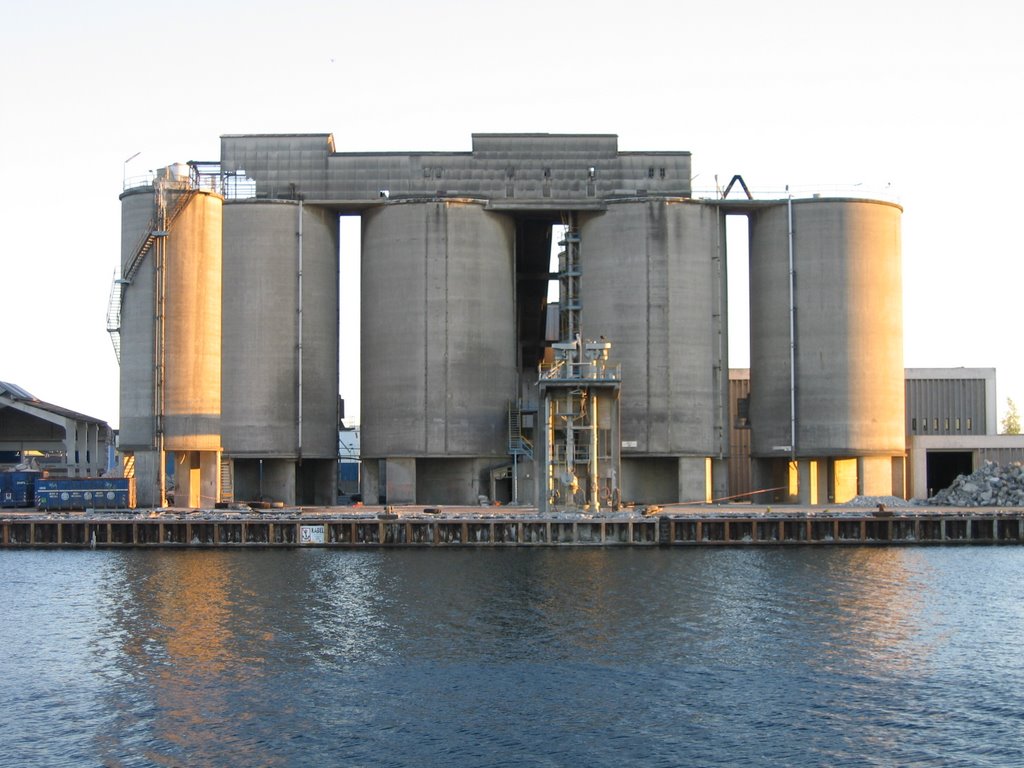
543	321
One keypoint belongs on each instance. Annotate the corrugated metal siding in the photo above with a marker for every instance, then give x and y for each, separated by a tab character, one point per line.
1002	456
740	479
945	407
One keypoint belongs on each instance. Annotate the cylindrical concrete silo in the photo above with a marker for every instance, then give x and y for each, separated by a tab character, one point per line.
138	307
192	395
844	381
170	337
280	350
438	348
653	285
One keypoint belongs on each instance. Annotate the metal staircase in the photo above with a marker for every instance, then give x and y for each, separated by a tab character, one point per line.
227	483
114	316
518	443
159	226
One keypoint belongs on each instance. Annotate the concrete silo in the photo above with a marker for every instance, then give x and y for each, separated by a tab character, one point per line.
653	283
826	370
170	338
280	350
438	344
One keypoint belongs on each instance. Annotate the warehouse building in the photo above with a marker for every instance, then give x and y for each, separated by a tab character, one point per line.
50	437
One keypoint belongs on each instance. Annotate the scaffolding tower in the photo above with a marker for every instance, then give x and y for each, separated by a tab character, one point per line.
579	393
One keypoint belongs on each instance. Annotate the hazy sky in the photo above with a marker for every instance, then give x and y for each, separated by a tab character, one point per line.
925	96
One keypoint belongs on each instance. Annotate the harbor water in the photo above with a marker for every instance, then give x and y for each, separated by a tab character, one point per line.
508	657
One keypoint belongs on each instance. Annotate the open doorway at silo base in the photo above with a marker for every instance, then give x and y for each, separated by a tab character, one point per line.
945	466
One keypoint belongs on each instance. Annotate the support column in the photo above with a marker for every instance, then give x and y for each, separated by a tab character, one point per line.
720	478
693	479
807	482
96	462
369	481
874	476
822	475
147	479
278	481
401	481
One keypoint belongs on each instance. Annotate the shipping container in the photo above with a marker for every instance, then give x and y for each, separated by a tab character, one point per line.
17	489
85	493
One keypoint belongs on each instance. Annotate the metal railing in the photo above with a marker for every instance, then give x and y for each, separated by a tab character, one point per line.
565	370
204	176
886	192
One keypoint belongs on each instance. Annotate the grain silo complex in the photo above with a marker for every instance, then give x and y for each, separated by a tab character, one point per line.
544	322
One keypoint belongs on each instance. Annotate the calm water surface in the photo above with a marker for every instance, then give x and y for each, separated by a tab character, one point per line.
804	656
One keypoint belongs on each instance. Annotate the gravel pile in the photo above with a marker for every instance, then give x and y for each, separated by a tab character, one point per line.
874	501
994	485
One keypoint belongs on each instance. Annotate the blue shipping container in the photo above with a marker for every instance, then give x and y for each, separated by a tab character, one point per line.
19	489
86	493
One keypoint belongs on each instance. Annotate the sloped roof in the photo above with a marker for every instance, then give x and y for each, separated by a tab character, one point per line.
15	393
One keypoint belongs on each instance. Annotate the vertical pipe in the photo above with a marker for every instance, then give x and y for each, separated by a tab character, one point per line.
299	343
792	332
515	479
161	338
595	481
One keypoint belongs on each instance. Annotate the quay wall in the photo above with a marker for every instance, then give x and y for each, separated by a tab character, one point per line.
214	531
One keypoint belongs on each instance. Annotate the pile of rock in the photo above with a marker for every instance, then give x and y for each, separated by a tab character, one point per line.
994	485
877	501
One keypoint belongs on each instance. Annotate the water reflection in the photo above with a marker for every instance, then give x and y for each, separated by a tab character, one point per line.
192	629
486	657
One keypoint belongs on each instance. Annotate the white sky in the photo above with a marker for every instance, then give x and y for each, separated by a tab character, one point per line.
926	96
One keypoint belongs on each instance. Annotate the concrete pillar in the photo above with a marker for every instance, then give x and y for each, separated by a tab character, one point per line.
147	479
845	479
369	481
209	478
761	472
875	475
694	482
807	482
81	449
317	482
401	481
96	461
188	480
822	475
919	473
899	476
196	479
720	478
278	483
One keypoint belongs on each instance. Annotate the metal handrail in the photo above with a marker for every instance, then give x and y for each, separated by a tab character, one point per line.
563	370
884	192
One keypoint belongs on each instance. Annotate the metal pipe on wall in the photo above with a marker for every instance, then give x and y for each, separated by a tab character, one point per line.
299	350
161	339
792	331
